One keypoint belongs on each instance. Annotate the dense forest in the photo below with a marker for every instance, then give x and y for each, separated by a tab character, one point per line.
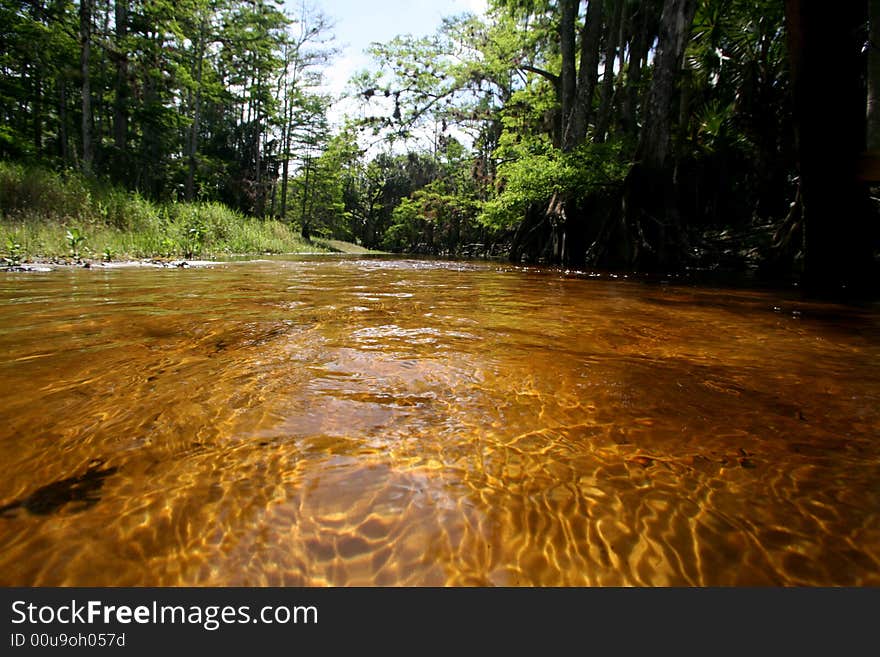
649	135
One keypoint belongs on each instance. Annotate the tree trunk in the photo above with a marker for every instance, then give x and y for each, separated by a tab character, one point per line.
285	172
120	106
611	36
563	223
36	78
64	146
829	115
85	36
587	78
193	141
650	206
305	220
260	200
38	115
685	94
627	15
567	77
100	119
639	45
148	177
675	27
286	130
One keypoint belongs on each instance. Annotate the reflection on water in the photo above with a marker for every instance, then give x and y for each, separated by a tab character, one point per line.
376	422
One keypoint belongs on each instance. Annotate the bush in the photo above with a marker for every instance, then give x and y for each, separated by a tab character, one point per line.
541	172
45	213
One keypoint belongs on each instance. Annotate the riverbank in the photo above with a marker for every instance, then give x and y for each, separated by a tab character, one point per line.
322	247
49	219
51	265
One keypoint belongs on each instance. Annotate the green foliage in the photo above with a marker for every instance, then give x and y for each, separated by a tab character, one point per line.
75	240
737	62
432	220
218	100
127	225
459	76
440	216
167	247
14	252
28	190
186	96
540	172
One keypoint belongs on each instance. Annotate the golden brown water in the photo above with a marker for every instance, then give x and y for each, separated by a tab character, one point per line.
381	422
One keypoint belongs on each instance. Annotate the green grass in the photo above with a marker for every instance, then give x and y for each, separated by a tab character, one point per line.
46	215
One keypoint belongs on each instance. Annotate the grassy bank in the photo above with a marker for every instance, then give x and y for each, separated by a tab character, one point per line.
44	215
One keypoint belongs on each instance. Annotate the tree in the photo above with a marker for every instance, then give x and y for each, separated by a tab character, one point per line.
201	36
85	41
39	63
307	139
305	53
578	50
650	208
121	86
441	216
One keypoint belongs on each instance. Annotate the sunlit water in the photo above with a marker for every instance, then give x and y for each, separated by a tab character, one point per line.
380	422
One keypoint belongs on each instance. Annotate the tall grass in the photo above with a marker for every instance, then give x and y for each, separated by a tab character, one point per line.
39	207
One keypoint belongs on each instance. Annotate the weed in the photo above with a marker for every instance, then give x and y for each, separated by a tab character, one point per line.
14	252
167	247
37	208
193	241
75	239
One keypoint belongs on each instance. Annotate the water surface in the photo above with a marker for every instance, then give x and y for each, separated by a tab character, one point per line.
398	422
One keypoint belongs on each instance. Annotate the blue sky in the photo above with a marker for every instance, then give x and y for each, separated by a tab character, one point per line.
361	22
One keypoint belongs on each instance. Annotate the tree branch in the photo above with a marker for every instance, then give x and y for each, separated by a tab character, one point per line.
539	71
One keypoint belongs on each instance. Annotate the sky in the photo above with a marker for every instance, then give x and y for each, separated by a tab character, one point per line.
358	23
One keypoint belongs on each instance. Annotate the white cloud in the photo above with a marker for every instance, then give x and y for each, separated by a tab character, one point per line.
337	75
477	7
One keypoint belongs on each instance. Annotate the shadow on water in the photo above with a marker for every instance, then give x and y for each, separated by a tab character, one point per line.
82	491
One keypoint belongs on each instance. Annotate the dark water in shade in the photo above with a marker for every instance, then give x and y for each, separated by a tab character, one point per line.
381	422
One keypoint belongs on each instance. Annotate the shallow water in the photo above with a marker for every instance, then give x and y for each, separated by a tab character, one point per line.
394	422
